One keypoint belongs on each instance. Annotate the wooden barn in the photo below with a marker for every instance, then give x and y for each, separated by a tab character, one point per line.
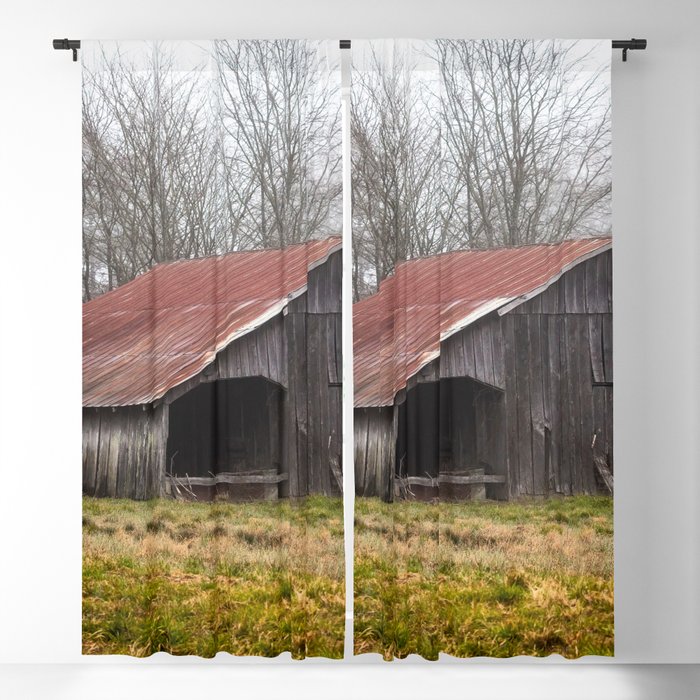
217	377
487	374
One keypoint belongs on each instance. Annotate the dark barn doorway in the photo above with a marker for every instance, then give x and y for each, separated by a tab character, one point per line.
229	432
455	426
417	437
472	436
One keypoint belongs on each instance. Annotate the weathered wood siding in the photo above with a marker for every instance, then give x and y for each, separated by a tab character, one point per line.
556	354
313	403
260	353
375	452
585	289
537	401
124	451
387	439
477	352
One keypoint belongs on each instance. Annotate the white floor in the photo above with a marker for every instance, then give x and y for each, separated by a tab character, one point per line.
329	682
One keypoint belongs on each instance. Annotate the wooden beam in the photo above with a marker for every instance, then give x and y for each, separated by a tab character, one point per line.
229	478
456	479
471	479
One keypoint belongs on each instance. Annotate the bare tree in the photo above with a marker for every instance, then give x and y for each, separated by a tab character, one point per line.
180	163
149	166
280	117
473	144
398	191
528	134
483	144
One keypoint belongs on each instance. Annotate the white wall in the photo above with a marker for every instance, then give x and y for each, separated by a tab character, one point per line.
656	226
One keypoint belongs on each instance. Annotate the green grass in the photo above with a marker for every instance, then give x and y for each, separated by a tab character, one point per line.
484	579
194	578
473	579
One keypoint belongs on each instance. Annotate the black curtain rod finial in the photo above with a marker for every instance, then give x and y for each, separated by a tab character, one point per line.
629	45
67	45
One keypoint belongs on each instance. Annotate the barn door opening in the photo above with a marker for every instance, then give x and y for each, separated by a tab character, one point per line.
472	440
450	441
417	442
225	440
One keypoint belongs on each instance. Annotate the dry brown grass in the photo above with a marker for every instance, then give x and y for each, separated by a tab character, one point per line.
484	579
189	578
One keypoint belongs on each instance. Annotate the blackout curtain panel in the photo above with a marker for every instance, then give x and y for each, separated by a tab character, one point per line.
211	281
482	333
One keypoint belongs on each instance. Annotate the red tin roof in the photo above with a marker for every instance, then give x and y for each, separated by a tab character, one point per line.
168	324
398	330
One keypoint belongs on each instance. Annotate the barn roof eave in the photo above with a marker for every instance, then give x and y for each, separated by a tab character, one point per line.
543	288
273	311
501	305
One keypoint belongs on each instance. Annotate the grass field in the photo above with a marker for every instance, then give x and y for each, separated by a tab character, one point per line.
473	579
484	579
195	578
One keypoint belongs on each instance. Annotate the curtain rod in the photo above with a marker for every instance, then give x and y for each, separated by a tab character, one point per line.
624	44
629	45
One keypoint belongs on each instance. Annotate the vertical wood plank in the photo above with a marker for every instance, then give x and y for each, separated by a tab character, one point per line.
586	404
595	339
123	451
142	448
576	437
497	353
113	454
360	449
550	299
479	360
607	346
296	427
590	285
467	353
599	420
525	436
609	425
579	275
553	371
338	341
511	405
332	373
485	331
313	403
536	386
301	403
91	444
567	462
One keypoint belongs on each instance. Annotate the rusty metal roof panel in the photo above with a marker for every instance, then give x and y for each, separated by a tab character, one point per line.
398	330
168	324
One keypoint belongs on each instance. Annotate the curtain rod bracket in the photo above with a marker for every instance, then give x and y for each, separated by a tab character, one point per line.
629	45
66	45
